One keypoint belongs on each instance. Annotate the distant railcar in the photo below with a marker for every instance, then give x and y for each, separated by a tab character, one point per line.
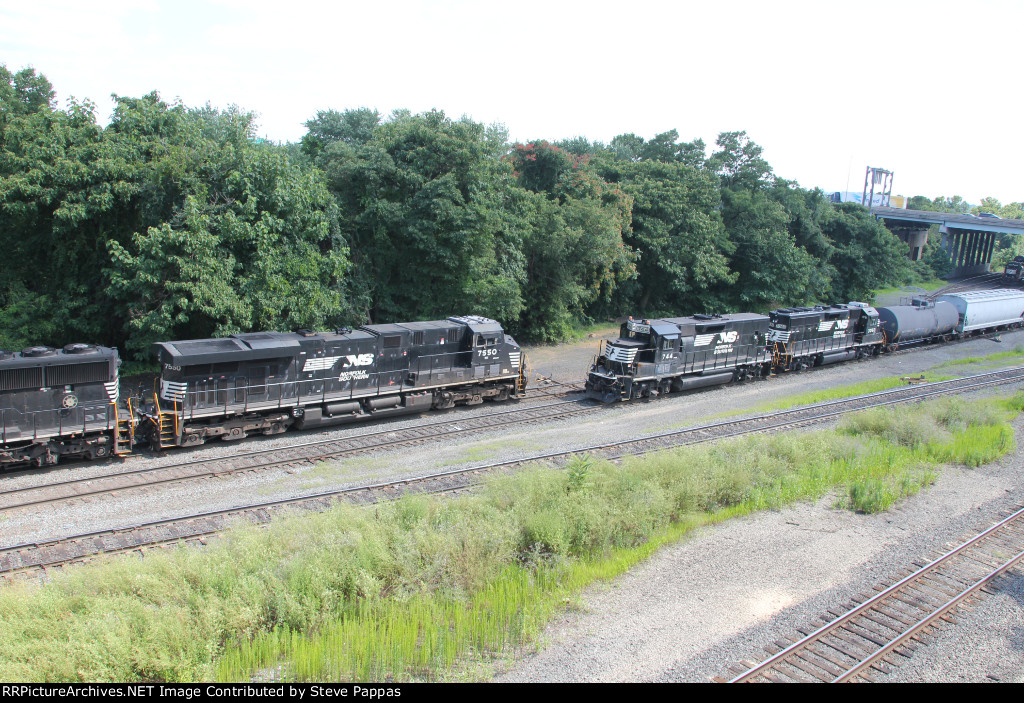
1013	272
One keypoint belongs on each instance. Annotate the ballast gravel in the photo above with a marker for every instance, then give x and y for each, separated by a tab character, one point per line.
695	608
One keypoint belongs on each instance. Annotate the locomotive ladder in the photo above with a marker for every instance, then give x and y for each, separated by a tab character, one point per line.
168	424
524	374
781	359
124	437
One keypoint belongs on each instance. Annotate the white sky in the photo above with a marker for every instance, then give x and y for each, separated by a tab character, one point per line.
929	90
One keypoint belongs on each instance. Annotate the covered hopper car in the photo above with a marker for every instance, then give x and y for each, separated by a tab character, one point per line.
981	310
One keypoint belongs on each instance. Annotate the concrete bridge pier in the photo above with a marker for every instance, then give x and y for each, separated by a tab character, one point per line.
914	237
969	250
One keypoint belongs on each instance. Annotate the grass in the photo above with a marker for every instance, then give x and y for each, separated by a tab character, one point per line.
933	284
447	589
995	359
839	392
835	393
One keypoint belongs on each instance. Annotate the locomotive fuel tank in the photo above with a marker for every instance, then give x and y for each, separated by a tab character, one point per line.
919	321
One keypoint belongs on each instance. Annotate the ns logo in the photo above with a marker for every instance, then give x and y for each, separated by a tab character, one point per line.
730	336
358	360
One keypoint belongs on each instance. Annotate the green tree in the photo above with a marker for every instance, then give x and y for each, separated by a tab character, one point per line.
245	239
868	255
739	163
677	232
773	270
423	207
64	190
575	251
330	126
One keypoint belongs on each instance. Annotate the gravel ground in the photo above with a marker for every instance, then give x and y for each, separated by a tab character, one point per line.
693	609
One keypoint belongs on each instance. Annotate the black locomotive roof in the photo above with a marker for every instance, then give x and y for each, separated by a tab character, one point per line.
817	309
479	325
663	328
380	330
711	320
433	325
249	345
48	356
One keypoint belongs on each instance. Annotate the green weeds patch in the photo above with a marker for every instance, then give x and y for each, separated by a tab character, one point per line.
1015	354
447	589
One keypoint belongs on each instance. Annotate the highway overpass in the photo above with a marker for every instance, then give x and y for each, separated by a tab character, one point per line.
967	239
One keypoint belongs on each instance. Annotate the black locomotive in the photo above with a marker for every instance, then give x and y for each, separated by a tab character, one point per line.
1014	271
61	402
824	334
654	357
266	382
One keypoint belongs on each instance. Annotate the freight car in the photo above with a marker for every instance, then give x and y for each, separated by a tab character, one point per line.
982	310
921	321
61	402
266	382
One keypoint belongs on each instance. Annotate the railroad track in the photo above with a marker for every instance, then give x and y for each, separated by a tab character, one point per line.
19	560
879	630
981	282
291	455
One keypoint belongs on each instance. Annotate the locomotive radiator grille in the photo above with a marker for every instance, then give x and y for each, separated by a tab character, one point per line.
173	391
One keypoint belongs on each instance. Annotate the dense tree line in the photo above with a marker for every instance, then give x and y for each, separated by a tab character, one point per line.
177	222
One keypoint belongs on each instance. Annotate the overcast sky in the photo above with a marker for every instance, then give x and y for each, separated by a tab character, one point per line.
929	90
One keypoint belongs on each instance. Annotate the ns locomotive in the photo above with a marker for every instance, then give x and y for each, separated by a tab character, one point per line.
266	382
61	402
66	402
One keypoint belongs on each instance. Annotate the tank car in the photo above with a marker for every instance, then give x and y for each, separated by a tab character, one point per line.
920	321
61	402
652	357
982	310
266	382
801	337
